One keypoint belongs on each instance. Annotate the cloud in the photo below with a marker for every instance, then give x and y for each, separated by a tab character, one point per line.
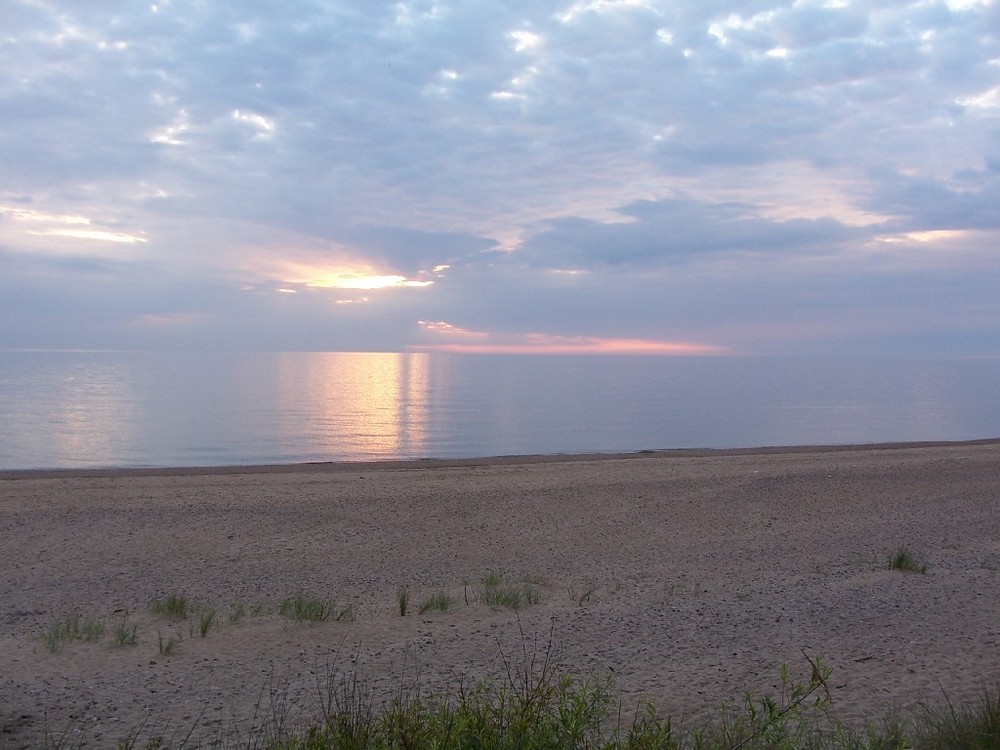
444	337
671	231
969	200
603	170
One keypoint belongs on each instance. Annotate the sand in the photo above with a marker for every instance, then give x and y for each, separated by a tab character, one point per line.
689	577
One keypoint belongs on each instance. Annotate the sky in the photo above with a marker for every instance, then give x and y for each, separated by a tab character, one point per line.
686	177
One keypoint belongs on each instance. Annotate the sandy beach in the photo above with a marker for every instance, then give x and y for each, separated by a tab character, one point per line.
688	576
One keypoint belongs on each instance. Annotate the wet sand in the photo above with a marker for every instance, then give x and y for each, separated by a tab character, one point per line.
688	576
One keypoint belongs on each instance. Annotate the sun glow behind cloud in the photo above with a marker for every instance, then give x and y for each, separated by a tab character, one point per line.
349	280
315	274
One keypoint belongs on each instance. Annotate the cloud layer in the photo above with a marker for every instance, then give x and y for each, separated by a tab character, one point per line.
604	175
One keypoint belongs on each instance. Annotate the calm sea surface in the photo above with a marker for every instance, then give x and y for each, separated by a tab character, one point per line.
100	409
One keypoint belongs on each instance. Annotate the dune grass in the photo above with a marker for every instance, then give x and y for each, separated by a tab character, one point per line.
536	707
175	606
125	633
500	592
305	609
71	628
971	727
439	602
907	561
206	620
347	613
237	613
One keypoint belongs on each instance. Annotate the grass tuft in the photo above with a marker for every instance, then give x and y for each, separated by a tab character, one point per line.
305	609
907	561
975	727
492	580
206	620
125	633
175	606
498	592
440	602
347	613
402	600
71	628
535	707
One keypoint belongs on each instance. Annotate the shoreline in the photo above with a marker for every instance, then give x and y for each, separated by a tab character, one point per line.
448	463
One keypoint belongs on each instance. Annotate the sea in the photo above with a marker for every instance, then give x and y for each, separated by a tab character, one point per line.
99	409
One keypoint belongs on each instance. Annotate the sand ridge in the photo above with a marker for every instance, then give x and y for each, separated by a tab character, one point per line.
688	576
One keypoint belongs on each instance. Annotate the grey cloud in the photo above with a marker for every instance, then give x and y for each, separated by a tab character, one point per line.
928	204
667	232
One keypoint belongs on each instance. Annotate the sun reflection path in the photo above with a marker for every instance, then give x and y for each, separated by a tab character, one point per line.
367	405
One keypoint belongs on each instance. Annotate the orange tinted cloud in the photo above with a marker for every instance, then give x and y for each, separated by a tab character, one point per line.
464	341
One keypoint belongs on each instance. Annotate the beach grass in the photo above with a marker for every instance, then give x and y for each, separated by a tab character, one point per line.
175	606
305	609
972	727
499	592
347	613
536	707
206	620
906	560
439	602
71	628
402	600
125	633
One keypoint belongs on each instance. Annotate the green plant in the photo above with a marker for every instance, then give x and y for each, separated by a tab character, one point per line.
347	613
71	628
174	605
440	602
237	613
402	600
532	595
206	619
492	580
303	609
783	722
125	633
534	706
907	561
131	743
260	610
951	727
497	592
